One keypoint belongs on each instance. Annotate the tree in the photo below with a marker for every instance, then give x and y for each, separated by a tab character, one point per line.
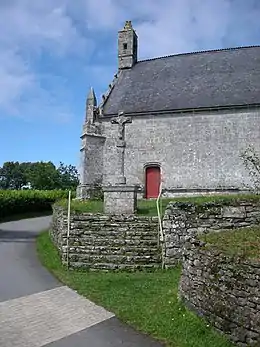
68	176
251	162
38	175
43	176
12	176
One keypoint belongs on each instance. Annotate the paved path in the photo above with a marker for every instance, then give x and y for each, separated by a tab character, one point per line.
36	310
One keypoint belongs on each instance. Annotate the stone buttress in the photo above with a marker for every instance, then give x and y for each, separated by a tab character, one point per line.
91	152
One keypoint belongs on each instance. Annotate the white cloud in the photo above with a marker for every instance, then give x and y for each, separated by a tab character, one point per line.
29	29
69	30
171	26
15	79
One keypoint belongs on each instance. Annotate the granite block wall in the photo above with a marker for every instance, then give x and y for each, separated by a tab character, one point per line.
107	242
183	221
224	290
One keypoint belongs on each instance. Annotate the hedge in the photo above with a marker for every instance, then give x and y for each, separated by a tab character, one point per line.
25	201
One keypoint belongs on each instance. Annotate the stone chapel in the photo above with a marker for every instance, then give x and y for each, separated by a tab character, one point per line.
188	117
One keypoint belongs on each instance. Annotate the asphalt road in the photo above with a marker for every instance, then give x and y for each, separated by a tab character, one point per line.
36	310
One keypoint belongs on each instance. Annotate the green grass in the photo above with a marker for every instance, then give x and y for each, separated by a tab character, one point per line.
147	301
88	206
243	243
148	207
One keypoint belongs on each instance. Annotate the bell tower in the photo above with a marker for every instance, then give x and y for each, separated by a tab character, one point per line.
127	47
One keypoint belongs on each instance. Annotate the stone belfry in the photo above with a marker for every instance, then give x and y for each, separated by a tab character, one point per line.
91	152
127	46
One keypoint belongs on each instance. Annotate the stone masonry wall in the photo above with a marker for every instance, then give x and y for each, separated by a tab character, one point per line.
183	221
107	242
225	290
92	159
194	150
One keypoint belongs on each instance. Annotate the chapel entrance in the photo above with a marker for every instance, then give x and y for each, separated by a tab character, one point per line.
152	181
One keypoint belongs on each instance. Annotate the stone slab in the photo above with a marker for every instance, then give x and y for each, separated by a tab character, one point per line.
233	211
42	318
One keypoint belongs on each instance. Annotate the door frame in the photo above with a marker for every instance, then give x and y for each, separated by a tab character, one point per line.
146	166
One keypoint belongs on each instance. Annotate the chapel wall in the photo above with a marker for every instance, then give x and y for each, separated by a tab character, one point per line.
195	151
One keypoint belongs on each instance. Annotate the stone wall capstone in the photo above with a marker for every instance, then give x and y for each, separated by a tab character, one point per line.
223	289
183	221
108	242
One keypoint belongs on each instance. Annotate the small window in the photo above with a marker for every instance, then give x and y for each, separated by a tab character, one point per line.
125	45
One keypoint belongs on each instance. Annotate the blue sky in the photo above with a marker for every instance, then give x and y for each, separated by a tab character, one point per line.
53	51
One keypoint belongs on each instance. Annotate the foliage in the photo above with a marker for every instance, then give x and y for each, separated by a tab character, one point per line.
12	176
243	243
251	162
24	201
67	176
38	176
43	176
147	301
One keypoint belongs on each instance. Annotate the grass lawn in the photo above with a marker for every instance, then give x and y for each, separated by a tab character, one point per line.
243	243
147	301
148	207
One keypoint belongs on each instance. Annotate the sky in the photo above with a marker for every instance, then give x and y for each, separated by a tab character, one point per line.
53	51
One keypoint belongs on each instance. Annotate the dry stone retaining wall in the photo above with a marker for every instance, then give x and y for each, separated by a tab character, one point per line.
107	242
183	221
223	289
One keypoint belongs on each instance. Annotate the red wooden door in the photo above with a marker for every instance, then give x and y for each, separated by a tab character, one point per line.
153	179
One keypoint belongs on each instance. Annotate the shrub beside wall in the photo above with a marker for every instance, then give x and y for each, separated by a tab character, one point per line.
24	201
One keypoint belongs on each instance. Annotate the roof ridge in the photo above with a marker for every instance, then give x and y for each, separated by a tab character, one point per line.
199	52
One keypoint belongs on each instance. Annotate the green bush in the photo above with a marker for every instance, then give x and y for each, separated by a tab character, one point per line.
23	201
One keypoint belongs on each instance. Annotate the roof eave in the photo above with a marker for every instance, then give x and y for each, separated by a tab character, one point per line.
186	110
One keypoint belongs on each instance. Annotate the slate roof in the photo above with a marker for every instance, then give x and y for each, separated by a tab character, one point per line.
193	80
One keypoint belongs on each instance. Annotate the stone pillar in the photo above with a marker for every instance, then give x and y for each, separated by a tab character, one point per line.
120	198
